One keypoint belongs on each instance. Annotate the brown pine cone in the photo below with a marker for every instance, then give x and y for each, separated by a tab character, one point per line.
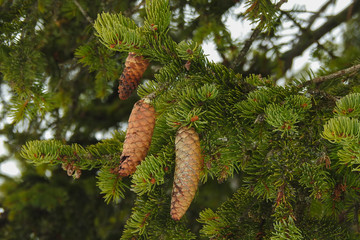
135	67
138	137
187	171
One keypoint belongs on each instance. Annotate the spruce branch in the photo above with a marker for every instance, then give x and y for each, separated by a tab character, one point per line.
160	47
74	157
348	106
240	58
281	2
282	118
258	99
144	211
343	72
233	218
103	62
111	184
342	130
350	156
118	32
306	40
158	16
317	179
234	117
149	174
286	229
152	171
23	69
6	177
83	12
314	17
189	50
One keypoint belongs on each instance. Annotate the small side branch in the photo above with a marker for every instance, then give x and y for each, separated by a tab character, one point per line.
6	177
240	59
83	12
337	74
281	2
306	40
316	15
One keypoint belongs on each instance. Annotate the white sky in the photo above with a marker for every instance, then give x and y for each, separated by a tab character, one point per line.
239	31
243	30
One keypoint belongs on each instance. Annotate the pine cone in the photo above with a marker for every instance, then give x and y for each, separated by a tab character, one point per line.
135	67
138	137
187	171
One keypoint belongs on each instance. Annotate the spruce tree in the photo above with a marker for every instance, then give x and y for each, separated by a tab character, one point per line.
290	152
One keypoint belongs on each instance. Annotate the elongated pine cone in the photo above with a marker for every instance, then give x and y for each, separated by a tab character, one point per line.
187	171
135	67
138	136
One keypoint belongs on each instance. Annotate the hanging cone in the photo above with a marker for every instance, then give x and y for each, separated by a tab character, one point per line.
138	137
187	171
135	67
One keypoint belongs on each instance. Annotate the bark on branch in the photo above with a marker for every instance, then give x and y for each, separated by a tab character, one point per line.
83	12
240	59
337	74
307	39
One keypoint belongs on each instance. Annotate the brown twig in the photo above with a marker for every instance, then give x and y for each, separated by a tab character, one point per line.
337	74
278	5
83	12
307	31
240	59
306	40
136	8
313	18
6	177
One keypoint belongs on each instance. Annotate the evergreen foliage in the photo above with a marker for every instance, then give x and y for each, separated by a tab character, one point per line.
291	151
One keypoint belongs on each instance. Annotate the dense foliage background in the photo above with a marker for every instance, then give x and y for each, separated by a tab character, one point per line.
58	81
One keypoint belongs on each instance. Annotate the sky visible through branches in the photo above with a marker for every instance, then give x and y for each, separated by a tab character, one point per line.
240	31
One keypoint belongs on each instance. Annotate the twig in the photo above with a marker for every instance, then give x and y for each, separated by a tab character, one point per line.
306	40
6	177
356	219
337	74
278	5
83	12
240	59
307	31
136	8
315	16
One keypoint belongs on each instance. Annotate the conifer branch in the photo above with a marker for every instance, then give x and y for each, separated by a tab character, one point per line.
135	9
6	177
317	14
281	2
119	33
348	106
306	40
271	134
240	59
74	157
111	184
83	12
337	74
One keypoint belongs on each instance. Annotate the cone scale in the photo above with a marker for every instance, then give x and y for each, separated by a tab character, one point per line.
135	67
187	171
138	137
